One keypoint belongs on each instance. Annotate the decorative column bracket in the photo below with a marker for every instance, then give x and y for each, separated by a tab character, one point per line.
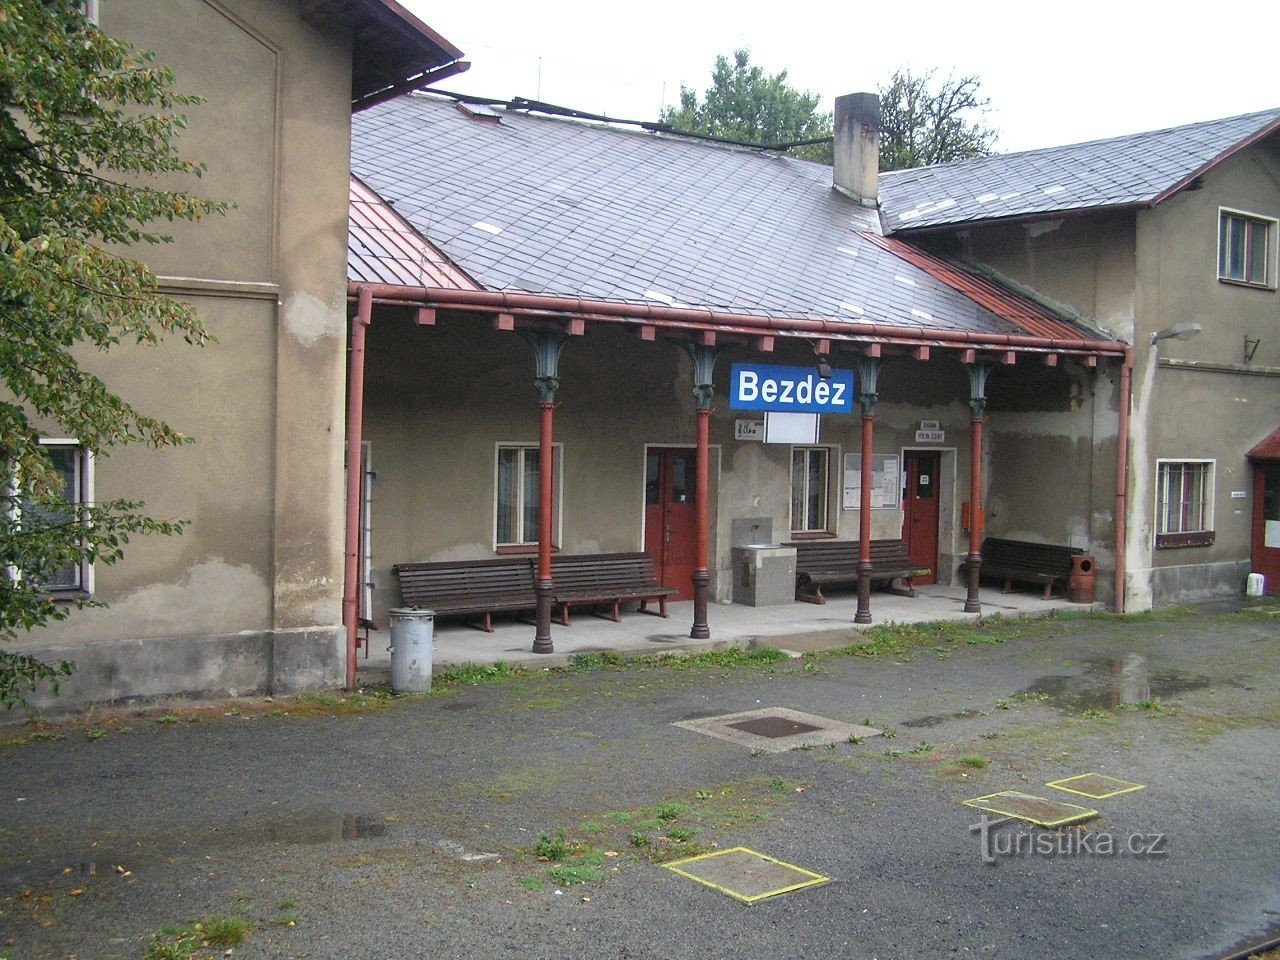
704	365
978	374
867	369
547	347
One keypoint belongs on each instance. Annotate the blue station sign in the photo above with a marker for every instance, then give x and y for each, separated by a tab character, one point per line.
790	389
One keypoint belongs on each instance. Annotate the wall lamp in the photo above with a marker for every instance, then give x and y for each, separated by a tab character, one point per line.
1179	331
824	369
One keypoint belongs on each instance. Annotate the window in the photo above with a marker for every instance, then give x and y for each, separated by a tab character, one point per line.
1244	249
517	495
1184	503
74	466
809	489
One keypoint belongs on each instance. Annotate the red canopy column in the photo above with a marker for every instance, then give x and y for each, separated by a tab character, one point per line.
978	373
868	370
704	362
547	348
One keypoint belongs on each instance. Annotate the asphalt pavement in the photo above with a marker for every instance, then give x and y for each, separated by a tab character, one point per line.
456	824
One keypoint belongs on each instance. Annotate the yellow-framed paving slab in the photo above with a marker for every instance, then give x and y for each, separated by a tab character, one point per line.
744	874
1095	786
1041	811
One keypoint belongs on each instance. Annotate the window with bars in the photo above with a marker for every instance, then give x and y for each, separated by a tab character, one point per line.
1245	249
810	489
516	522
1184	503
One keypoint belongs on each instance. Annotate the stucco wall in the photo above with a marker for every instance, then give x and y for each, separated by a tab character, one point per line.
1215	413
262	485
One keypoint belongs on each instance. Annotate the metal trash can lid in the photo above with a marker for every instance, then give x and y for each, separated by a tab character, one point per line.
411	613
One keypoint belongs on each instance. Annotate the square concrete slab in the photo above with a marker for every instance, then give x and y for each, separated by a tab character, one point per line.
1095	786
777	729
744	874
1041	811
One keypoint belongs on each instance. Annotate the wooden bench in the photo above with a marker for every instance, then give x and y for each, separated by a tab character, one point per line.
482	587
1026	562
820	562
607	580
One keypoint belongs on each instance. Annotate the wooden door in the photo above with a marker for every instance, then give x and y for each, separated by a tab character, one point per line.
1266	524
671	517
920	511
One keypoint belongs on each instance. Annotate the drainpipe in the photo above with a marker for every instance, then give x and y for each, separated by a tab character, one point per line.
1122	476
355	436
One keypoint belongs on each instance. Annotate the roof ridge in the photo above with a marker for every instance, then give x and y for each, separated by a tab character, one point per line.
1273	112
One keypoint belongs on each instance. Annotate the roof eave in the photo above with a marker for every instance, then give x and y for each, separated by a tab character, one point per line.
1225	155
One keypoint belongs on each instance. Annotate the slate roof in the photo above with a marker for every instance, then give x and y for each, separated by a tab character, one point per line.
546	205
1140	169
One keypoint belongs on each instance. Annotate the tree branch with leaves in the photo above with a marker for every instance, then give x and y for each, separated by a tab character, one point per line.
924	121
86	125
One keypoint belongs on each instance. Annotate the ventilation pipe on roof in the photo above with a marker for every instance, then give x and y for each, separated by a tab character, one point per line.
857	147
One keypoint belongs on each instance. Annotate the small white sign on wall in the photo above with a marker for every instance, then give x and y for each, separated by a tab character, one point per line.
931	436
748	429
930	425
1239	495
790	427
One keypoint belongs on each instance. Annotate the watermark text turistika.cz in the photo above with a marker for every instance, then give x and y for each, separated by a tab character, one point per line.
997	843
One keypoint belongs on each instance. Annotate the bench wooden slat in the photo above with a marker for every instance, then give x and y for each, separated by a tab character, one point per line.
597	579
820	562
1026	561
481	587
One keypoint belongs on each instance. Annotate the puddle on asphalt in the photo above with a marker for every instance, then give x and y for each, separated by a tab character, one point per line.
940	718
1111	682
302	828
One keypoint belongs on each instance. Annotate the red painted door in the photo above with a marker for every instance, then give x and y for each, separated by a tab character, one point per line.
920	511
1266	524
670	517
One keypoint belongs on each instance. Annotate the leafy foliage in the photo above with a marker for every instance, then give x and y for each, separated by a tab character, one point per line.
747	104
87	124
923	122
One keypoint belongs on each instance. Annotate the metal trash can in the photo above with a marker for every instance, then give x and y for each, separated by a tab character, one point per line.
412	634
1080	585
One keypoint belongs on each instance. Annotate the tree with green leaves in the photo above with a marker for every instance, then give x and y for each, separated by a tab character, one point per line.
86	125
746	104
923	122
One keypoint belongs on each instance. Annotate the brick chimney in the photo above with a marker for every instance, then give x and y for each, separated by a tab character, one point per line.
857	147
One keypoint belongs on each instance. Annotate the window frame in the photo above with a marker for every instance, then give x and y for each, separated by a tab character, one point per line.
557	496
84	484
1269	225
1170	539
826	529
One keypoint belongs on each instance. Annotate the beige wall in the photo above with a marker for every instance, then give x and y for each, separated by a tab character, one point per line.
1135	273
262	485
1216	413
439	399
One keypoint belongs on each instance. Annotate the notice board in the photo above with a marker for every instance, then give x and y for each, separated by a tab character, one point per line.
886	481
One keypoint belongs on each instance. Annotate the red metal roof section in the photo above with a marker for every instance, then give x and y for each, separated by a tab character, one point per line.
1268	449
1025	314
383	248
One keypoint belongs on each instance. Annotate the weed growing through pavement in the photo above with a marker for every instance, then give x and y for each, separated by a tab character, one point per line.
974	763
189	941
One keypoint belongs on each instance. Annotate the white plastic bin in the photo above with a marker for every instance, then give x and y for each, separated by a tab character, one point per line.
412	634
1255	585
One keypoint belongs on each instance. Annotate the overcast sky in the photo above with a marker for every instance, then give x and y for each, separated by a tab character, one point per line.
1055	72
